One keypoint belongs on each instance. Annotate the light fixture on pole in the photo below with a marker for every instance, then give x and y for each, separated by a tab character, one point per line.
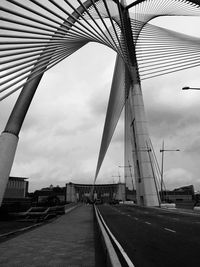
129	166
190	88
119	176
162	166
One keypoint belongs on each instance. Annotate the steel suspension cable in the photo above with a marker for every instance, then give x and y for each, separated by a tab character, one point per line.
55	62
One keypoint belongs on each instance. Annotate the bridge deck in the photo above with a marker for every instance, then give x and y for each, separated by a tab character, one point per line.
67	241
154	237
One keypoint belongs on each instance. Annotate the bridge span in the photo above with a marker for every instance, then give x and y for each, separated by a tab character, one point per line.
143	237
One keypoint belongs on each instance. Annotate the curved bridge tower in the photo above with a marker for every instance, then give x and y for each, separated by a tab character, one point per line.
145	184
9	137
146	191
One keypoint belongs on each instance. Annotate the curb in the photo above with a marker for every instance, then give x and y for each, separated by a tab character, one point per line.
20	230
111	256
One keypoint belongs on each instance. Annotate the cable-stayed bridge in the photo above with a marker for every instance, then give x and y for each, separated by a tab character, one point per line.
37	35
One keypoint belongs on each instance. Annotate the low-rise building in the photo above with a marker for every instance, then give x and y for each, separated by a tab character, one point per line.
17	187
184	193
50	195
103	192
15	196
183	197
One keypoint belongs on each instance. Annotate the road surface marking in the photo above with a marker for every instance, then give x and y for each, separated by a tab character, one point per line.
170	230
112	255
127	259
176	219
147	222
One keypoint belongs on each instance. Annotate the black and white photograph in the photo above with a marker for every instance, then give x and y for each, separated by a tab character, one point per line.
99	133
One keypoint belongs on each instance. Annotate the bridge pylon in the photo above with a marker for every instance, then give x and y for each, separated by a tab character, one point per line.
8	145
9	137
146	191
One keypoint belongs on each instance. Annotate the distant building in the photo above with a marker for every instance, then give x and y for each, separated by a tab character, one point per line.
103	192
183	197
131	195
184	193
17	187
15	196
50	195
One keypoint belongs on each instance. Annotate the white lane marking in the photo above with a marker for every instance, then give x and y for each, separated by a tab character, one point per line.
147	222
112	255
127	259
170	230
176	219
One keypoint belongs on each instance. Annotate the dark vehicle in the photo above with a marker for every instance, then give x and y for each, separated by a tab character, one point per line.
114	202
98	201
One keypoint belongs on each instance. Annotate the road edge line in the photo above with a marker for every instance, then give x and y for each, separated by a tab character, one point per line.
111	253
127	259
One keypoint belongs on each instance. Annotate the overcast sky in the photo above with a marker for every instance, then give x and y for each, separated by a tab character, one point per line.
60	138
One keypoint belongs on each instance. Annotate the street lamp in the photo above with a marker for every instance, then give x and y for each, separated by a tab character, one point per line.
162	165
129	166
190	88
119	176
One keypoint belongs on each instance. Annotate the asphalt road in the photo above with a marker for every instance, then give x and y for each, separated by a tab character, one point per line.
153	237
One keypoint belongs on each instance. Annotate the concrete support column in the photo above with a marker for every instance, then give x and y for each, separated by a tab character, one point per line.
121	194
70	193
145	180
9	137
145	183
128	147
8	145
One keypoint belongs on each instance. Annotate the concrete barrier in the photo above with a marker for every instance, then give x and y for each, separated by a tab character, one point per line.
112	259
168	205
71	207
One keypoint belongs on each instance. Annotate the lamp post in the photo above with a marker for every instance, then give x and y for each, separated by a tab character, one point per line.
129	166
190	88
162	166
119	176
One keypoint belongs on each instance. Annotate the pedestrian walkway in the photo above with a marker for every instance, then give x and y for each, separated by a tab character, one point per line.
67	241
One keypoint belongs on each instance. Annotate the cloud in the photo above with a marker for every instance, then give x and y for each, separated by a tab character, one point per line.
169	109
177	177
99	101
193	146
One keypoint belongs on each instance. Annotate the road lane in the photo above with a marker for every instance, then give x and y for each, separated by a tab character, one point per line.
187	224
151	240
